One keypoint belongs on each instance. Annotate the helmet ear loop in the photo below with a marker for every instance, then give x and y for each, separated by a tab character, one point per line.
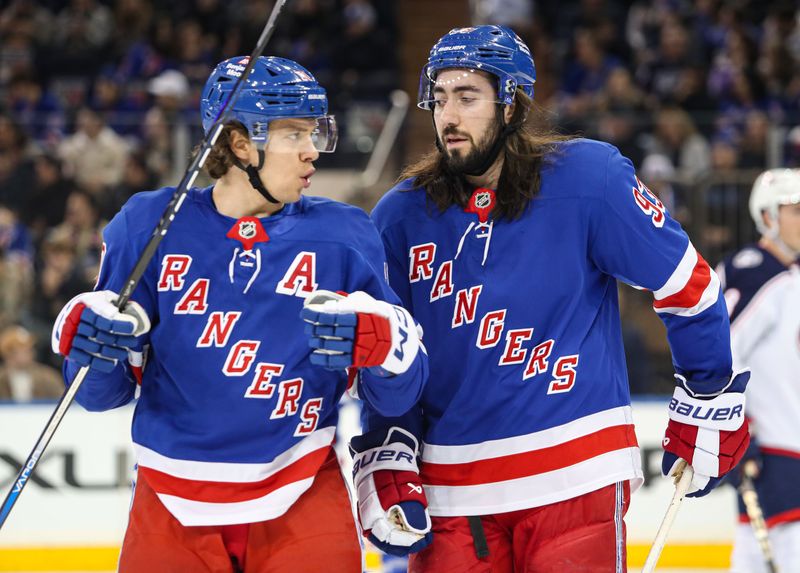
253	173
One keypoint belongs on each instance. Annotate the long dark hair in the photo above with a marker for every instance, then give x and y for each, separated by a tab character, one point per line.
221	158
525	151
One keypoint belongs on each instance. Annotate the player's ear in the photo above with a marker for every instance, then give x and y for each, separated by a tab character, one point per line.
508	111
240	145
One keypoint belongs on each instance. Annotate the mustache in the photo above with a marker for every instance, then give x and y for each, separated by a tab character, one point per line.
450	130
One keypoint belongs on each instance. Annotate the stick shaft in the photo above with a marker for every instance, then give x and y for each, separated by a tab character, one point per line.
141	265
756	516
660	540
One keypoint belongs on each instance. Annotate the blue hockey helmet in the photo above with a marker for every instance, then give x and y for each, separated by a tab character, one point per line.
276	88
490	48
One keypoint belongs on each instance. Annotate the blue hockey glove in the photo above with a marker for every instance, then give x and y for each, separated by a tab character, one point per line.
710	432
358	330
92	332
392	507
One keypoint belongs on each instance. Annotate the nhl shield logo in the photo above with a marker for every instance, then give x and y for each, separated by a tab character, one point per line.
247	229
481	203
483	200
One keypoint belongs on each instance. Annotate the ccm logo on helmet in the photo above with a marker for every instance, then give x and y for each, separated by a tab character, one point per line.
705	413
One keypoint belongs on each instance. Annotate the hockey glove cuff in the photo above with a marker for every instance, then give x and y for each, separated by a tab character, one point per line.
710	433
91	331
392	507
358	330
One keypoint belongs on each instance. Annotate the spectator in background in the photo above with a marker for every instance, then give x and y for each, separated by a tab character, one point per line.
168	123
94	156
82	226
35	109
753	145
45	203
16	173
585	79
22	378
364	57
82	32
56	282
676	137
692	96
138	177
661	76
622	115
724	199
16	267
108	99
659	175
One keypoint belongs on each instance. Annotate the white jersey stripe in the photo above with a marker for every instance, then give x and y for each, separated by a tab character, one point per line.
537	490
270	506
680	276
233	472
709	298
439	454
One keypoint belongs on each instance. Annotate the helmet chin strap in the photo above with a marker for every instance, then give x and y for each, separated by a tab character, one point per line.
254	177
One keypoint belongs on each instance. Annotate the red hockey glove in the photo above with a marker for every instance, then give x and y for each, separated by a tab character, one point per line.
358	330
392	506
92	332
710	433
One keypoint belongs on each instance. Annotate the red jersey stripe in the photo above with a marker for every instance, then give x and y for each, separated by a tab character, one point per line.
780	452
530	463
692	292
230	492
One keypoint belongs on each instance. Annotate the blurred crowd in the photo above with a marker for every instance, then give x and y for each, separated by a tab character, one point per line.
98	101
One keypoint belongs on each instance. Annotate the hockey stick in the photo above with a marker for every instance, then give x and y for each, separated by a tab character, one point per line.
750	498
144	259
683	478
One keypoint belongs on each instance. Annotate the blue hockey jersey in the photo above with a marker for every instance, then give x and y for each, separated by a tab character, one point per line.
528	402
233	421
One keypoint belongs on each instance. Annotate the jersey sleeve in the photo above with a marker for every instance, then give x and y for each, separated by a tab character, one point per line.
101	391
633	238
389	396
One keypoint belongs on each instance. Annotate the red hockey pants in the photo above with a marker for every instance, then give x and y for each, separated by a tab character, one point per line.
585	534
318	533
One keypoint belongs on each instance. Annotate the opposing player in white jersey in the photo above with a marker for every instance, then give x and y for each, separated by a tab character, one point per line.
762	291
236	416
506	245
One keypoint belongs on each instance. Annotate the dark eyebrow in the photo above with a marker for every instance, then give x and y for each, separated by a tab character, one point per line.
458	89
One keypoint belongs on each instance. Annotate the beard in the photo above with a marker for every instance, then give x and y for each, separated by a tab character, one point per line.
459	162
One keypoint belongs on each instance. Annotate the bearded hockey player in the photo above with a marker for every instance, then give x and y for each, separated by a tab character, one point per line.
507	245
235	419
762	290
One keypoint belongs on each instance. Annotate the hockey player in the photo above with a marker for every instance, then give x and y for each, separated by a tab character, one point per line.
235	419
762	289
506	245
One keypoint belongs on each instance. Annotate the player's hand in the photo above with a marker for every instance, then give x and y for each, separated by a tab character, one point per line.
392	506
710	433
91	331
358	330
